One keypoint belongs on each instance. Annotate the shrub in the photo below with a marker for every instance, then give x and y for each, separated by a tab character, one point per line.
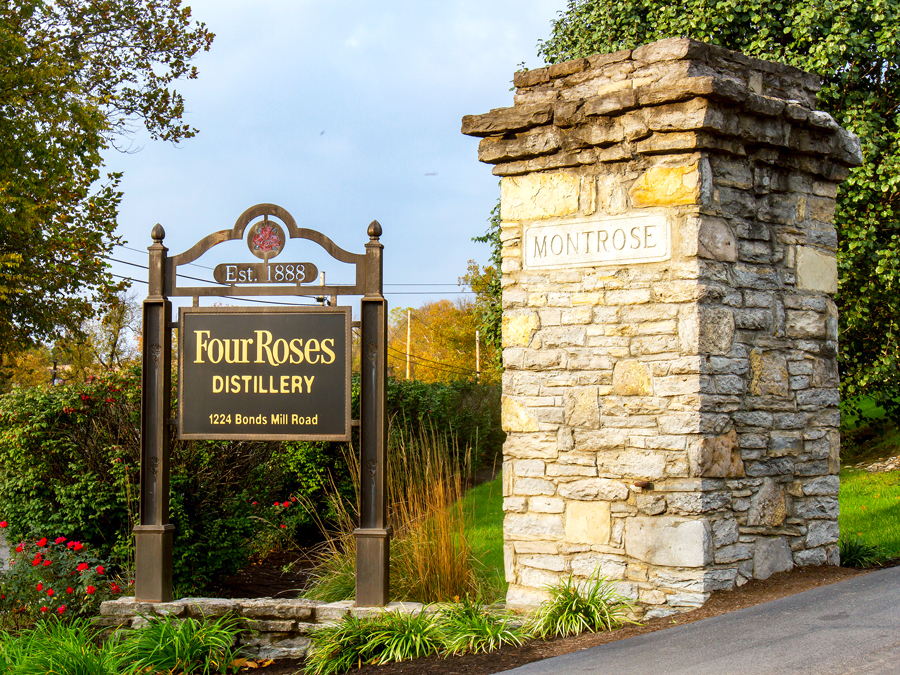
53	578
572	608
61	647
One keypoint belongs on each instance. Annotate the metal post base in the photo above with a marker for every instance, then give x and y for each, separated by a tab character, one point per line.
373	550
153	563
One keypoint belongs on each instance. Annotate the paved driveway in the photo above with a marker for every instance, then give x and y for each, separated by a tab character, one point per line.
848	628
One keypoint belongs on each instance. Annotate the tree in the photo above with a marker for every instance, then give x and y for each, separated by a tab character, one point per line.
485	283
441	345
76	78
855	48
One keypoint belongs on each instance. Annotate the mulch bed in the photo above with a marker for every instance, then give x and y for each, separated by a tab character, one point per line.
755	592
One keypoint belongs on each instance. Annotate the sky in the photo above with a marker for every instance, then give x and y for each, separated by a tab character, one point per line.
341	112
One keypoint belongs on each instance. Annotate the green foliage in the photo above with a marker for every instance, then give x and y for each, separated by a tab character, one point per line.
855	48
469	628
482	508
339	647
53	578
171	645
75	77
574	608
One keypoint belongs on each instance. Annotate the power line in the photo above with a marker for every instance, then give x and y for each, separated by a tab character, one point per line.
265	302
427	363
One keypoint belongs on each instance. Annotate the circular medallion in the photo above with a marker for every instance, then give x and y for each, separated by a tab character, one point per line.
266	239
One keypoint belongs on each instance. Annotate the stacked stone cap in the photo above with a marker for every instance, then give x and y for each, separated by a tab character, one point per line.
674	95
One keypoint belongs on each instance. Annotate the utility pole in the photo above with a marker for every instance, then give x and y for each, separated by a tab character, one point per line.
408	337
478	355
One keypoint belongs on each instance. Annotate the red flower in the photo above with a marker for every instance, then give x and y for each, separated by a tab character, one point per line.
70	544
62	608
115	587
59	540
36	561
49	592
41	542
286	504
3	523
46	563
293	499
99	569
77	546
254	503
43	609
90	590
277	503
109	400
20	548
40	586
283	526
82	567
69	590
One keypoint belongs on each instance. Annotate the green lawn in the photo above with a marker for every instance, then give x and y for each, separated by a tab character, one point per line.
870	508
484	508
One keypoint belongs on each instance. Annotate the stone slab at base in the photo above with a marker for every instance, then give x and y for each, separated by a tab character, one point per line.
274	628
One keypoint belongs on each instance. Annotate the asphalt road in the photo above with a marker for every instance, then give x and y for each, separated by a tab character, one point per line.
848	628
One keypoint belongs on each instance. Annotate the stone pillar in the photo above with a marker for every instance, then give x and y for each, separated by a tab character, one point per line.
669	334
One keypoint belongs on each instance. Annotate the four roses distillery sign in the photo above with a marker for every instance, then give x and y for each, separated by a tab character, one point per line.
272	373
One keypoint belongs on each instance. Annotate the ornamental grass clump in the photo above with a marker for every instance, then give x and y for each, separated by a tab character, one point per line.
170	645
59	578
858	553
55	646
431	558
577	607
353	642
469	627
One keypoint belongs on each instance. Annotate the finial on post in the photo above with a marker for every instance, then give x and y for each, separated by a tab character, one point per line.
374	230
157	234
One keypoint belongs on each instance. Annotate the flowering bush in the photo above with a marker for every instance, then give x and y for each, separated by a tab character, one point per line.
53	578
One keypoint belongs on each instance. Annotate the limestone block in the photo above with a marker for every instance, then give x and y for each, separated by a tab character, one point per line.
717	241
537	196
667	186
524	598
805	324
209	607
515	417
533	527
529	467
821	532
590	564
582	407
716	330
553	563
717	456
768	507
593	489
533	486
535	578
587	522
515	504
815	556
631	378
278	608
632	464
725	531
668	540
546	505
768	373
816	270
695	503
334	611
826	485
518	329
650	504
770	556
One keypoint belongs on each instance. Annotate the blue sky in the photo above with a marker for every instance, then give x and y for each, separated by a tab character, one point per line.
341	112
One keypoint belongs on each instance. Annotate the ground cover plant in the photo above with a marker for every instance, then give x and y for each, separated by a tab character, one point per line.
576	607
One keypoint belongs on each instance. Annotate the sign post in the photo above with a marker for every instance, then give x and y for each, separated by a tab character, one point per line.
263	374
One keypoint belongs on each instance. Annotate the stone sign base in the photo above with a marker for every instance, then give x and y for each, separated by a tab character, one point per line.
670	392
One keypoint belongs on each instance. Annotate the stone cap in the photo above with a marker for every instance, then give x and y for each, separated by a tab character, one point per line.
674	95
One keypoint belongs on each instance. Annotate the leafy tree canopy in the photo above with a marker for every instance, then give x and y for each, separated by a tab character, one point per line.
76	78
855	48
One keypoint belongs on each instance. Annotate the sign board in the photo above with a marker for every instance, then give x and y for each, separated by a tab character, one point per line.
590	242
264	373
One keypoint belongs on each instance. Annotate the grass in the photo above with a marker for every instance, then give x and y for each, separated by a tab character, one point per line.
870	509
577	607
483	509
